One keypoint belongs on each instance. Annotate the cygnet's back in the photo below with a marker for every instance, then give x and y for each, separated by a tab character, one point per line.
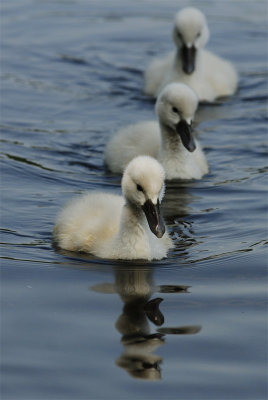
88	219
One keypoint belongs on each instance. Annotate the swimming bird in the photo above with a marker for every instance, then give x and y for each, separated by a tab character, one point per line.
209	75
170	141
119	227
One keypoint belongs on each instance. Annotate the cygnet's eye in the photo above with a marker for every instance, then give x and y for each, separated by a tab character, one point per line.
139	188
175	110
179	35
198	35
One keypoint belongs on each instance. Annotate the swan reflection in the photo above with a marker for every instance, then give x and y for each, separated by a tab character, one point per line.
135	288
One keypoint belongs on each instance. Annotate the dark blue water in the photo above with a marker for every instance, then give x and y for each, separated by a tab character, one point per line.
75	327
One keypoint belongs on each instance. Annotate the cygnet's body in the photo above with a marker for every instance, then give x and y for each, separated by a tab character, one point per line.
116	227
170	140
209	75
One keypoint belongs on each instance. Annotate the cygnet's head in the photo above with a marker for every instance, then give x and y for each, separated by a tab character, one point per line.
190	33
143	186
175	107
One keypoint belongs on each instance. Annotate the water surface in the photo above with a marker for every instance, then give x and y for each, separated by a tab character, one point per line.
76	327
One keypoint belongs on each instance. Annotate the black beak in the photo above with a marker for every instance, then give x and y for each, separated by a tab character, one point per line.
188	59
185	132
154	218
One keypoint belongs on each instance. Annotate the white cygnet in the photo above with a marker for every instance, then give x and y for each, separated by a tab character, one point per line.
209	75
116	227
170	141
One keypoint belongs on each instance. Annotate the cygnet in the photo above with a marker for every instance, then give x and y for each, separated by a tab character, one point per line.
170	141
209	75
119	227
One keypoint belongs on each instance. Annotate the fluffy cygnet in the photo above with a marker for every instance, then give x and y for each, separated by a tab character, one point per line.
117	227
209	75
170	140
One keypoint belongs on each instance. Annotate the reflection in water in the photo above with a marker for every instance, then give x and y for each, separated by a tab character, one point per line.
177	209
135	287
178	199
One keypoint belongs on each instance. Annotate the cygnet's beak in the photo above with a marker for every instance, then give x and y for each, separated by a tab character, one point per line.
154	217
185	132
188	59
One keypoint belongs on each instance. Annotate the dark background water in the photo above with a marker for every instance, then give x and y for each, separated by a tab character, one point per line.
74	327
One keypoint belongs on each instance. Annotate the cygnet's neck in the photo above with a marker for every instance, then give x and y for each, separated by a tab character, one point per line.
131	217
133	231
172	147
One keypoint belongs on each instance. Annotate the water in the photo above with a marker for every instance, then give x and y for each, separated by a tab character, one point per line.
73	326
